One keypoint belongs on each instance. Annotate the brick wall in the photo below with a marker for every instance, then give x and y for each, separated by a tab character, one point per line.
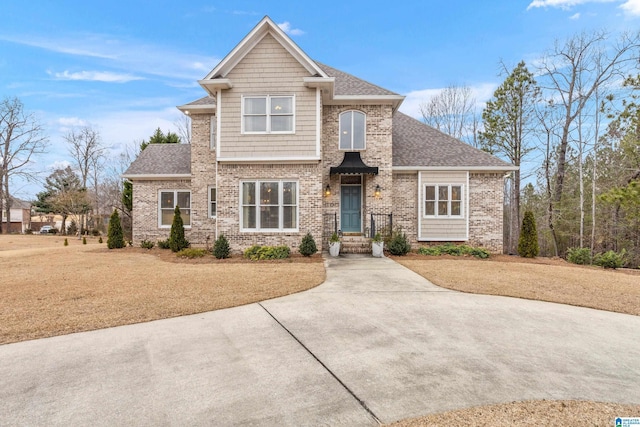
486	200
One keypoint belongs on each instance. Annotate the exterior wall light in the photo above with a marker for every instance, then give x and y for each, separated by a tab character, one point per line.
327	190
376	192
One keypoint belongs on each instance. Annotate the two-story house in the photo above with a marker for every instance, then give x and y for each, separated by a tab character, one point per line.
283	145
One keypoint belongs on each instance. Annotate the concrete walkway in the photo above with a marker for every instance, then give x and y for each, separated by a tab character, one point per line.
374	343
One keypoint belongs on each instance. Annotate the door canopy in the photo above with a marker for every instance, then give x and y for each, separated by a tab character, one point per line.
353	164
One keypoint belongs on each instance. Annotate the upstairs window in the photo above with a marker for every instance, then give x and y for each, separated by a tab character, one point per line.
352	130
268	114
443	201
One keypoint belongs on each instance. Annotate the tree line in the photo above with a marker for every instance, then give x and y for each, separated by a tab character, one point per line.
88	190
571	124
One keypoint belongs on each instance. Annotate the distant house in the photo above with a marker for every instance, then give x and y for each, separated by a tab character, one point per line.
283	145
20	212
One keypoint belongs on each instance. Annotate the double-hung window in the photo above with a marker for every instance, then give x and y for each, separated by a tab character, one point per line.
352	130
443	201
268	114
213	202
169	199
269	205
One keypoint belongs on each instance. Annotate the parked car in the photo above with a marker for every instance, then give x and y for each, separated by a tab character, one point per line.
46	229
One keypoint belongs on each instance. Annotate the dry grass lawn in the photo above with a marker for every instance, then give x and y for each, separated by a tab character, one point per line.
48	289
544	279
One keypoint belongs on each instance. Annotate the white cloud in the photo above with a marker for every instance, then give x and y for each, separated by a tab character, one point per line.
631	7
71	121
575	16
96	76
411	106
58	164
563	4
286	27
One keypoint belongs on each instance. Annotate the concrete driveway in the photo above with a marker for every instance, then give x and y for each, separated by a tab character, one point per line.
374	343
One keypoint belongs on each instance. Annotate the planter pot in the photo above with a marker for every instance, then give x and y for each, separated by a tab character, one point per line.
334	248
377	249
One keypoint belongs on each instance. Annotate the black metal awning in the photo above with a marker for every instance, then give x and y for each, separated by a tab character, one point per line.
353	164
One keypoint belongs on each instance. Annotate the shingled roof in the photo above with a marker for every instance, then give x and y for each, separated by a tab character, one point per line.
346	84
161	159
416	144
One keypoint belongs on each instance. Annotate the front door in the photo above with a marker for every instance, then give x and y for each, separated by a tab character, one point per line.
351	208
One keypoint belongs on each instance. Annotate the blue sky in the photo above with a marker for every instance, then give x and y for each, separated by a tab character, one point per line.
122	67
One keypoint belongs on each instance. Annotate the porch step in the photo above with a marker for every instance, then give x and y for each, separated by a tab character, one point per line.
355	245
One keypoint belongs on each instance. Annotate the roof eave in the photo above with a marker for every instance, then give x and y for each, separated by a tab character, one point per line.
156	177
197	109
506	168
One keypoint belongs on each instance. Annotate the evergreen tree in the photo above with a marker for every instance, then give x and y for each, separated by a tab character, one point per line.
159	137
221	249
528	242
177	241
308	245
115	237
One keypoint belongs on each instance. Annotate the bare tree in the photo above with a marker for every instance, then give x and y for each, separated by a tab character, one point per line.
85	147
183	124
571	73
452	111
21	137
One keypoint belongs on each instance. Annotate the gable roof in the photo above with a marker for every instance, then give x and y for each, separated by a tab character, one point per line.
419	146
160	161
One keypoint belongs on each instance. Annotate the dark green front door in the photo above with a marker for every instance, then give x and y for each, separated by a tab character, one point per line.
350	208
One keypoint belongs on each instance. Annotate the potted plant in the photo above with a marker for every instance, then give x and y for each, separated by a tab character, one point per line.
334	245
377	246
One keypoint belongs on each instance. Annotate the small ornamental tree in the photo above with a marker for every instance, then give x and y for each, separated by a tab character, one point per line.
177	241
308	245
221	248
115	236
528	242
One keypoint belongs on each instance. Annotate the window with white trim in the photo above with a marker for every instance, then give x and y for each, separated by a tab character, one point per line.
169	199
443	201
352	130
268	114
213	202
269	205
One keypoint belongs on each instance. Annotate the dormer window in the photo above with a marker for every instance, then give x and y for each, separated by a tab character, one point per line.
268	114
352	130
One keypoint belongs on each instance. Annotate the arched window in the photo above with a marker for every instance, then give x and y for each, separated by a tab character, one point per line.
352	130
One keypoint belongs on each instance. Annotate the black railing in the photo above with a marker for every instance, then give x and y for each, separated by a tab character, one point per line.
381	223
330	225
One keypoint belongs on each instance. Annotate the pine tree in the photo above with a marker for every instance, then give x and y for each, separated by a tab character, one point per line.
308	245
115	236
221	248
528	242
177	241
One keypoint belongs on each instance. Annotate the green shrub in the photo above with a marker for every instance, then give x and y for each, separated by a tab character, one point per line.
100	240
28	231
115	237
528	241
191	253
72	229
334	238
177	241
164	244
580	256
398	243
258	253
66	242
611	259
147	244
84	240
455	250
221	248
308	245
95	232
